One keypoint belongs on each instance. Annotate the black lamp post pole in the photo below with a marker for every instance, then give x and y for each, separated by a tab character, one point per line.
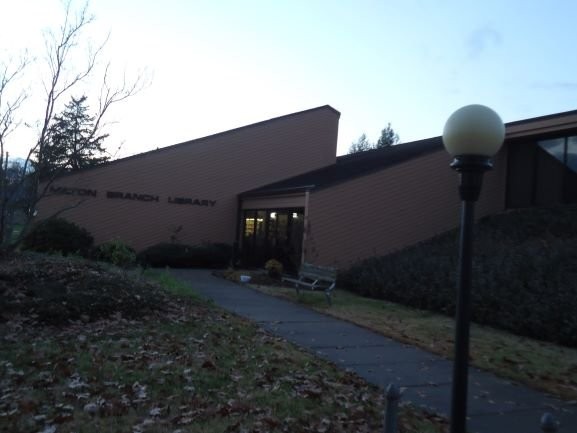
471	169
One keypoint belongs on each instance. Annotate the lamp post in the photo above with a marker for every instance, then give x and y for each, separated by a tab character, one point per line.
472	135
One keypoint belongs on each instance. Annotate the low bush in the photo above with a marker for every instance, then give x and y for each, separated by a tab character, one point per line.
186	256
58	235
274	268
115	252
524	274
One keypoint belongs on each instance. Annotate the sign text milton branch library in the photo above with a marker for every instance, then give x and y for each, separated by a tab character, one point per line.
83	192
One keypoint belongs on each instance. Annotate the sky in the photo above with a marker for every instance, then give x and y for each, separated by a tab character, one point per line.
216	65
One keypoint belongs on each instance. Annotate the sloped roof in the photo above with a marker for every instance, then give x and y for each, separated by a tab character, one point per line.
359	164
545	117
351	166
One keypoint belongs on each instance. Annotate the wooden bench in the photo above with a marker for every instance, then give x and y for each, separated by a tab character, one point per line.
315	277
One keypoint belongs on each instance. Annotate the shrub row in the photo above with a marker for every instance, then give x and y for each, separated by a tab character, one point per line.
524	274
186	256
57	235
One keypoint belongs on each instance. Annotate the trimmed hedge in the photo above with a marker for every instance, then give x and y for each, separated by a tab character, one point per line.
524	274
186	256
58	235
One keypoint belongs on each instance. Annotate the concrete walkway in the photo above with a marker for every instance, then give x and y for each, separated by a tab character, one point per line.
495	405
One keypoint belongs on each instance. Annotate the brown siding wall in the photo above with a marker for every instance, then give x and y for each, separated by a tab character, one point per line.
393	208
213	168
278	202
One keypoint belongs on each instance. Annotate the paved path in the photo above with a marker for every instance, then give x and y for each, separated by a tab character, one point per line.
495	405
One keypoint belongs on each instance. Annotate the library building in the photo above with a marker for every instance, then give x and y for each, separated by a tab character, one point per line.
276	189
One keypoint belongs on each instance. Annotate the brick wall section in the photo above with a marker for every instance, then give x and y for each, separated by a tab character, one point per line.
393	208
213	168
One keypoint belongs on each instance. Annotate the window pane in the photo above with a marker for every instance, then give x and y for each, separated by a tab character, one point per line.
248	227
282	227
555	147
259	228
572	153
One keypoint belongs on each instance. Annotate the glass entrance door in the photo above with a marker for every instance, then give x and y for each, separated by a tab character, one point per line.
272	234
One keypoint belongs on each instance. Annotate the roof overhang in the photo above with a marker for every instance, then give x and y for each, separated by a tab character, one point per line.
542	125
279	191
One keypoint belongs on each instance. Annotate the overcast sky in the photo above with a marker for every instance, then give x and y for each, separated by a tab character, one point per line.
216	64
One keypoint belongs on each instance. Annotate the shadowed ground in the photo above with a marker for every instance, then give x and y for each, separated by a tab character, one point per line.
495	405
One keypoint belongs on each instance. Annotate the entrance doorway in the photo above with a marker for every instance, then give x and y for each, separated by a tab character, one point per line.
272	234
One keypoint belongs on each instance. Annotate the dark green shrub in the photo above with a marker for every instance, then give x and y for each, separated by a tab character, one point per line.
58	235
115	252
524	274
186	256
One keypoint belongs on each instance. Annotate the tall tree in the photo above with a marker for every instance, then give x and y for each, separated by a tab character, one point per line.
73	141
388	137
63	72
360	145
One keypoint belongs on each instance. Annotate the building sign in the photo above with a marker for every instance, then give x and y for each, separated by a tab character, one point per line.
132	196
194	202
82	192
73	191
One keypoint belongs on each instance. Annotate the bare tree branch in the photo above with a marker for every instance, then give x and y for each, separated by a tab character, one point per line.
67	208
9	107
59	48
62	47
111	95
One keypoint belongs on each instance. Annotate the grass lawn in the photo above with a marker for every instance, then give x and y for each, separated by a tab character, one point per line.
187	366
540	365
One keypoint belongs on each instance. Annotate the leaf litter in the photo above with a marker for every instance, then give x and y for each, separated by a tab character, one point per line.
86	348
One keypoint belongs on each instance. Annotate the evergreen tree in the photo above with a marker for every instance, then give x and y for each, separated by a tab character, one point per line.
361	145
73	141
388	137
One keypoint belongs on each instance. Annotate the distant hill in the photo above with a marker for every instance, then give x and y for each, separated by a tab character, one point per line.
524	274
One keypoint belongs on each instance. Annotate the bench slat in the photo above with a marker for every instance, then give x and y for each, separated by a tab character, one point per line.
321	271
312	276
315	277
